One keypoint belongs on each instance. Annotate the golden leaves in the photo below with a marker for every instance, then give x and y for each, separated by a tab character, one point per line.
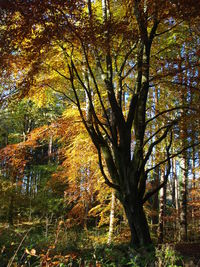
32	252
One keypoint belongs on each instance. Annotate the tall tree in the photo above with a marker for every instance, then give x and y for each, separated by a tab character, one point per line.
51	43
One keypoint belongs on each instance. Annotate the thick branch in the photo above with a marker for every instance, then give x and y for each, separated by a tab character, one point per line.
141	19
131	112
107	181
90	129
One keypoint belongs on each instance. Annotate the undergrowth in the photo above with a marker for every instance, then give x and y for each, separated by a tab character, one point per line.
63	247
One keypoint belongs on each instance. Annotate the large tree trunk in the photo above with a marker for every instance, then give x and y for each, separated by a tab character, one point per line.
140	236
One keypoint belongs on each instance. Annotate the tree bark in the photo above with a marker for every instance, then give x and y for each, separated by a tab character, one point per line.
10	210
112	217
184	136
183	206
50	146
155	202
176	199
140	236
162	210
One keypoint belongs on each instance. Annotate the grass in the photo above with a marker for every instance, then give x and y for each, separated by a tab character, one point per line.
75	246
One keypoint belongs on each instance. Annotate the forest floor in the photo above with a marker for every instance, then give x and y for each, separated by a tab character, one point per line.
190	253
29	244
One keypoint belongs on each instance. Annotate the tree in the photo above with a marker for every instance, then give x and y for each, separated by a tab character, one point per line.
76	50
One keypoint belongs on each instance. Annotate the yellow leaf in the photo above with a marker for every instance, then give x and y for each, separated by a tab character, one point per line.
33	252
27	251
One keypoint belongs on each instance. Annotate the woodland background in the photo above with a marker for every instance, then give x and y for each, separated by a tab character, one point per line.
56	208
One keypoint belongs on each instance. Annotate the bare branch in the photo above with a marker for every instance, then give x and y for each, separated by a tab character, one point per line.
126	58
96	87
183	84
60	92
160	129
90	99
173	72
155	190
168	30
172	156
169	110
64	76
163	136
128	72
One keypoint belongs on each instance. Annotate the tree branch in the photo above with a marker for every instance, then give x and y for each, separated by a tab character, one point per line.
107	181
168	30
169	110
163	136
126	58
131	112
96	87
60	92
172	156
155	190
91	103
160	129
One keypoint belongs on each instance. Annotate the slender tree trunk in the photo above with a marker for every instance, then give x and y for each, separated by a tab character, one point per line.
11	202
10	210
155	198
112	217
50	146
86	209
46	226
176	199
193	189
155	204
184	137
162	210
176	194
173	190
5	138
183	207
